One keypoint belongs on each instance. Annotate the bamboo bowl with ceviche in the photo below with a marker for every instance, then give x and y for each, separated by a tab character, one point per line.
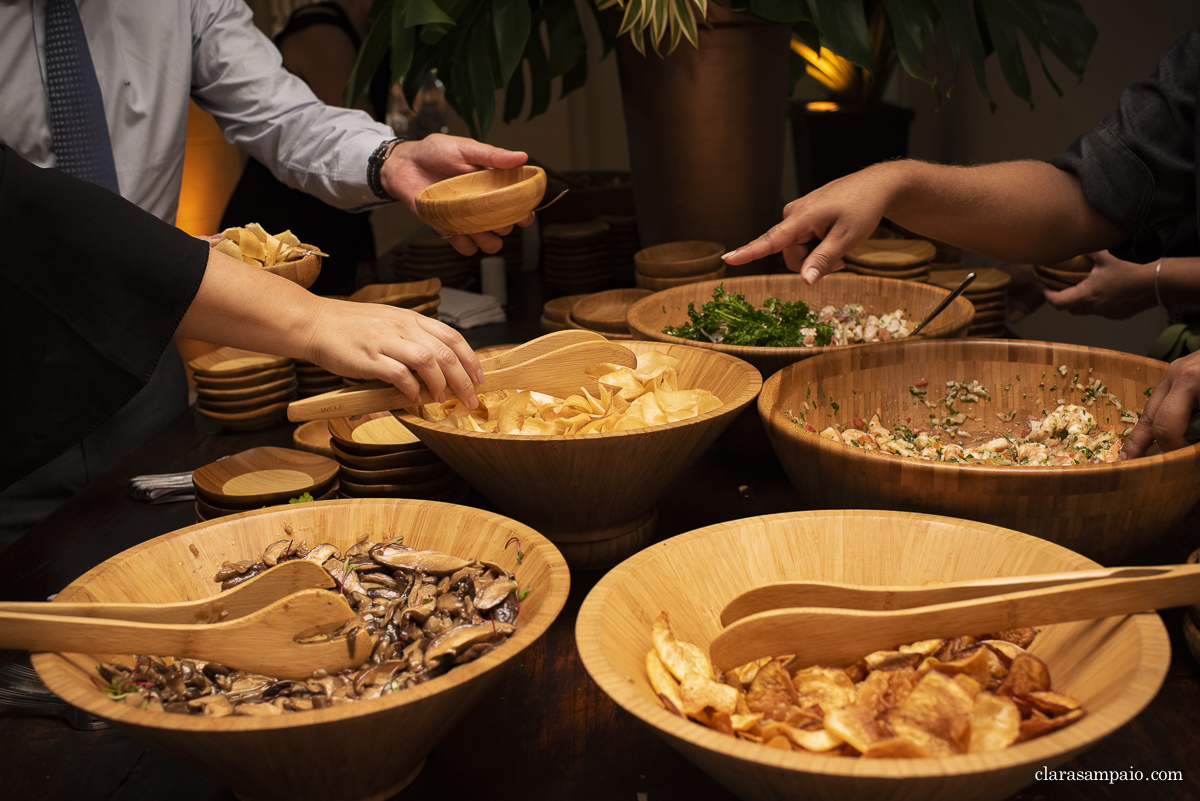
364	749
1113	666
1108	511
648	317
594	495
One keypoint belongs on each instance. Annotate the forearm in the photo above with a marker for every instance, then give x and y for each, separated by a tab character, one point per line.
1023	211
1177	280
246	307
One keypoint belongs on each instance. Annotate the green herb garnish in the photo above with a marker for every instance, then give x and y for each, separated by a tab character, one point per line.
730	320
305	498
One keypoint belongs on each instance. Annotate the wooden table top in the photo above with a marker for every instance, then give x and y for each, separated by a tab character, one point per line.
563	738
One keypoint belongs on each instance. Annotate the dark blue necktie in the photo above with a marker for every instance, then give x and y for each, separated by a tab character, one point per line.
77	124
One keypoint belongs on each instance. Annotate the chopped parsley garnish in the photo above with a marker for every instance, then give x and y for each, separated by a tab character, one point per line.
731	320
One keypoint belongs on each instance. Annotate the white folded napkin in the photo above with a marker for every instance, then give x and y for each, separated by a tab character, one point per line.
469	309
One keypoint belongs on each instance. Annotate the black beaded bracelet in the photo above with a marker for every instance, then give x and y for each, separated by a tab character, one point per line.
375	167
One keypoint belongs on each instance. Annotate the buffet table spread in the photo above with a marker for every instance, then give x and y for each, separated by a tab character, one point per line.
548	732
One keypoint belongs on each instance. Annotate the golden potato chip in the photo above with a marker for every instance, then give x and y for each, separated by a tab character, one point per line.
778	741
746	673
975	665
828	688
817	741
683	659
288	238
662	681
856	725
896	748
936	715
699	693
972	687
1050	702
923	647
259	232
995	723
1027	674
250	244
229	248
771	693
744	723
884	688
892	660
1021	637
721	721
1039	724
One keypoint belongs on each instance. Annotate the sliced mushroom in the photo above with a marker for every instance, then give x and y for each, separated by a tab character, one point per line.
434	563
277	552
322	553
217	706
494	592
463	637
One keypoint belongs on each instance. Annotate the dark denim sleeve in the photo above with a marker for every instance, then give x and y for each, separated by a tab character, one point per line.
1138	166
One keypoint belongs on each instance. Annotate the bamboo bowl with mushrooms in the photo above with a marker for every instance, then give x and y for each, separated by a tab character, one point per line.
1114	666
354	750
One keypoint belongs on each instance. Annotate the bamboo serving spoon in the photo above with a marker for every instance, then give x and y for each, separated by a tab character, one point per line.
263	641
250	595
560	372
881	598
838	637
536	347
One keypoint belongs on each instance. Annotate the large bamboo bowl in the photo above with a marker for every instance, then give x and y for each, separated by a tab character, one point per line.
649	316
1108	512
368	749
482	201
1114	666
594	495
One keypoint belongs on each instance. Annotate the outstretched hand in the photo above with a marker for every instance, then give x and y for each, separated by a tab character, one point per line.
1169	411
412	166
1114	289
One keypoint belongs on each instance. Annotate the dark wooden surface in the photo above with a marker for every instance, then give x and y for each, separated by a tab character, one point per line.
548	732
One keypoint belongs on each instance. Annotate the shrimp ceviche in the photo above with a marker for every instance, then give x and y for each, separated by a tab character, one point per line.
852	324
1069	434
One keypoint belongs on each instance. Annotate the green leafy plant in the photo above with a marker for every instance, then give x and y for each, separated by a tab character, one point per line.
525	48
732	320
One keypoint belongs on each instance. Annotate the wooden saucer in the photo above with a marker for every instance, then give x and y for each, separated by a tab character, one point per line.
256	379
262	475
373	434
411	457
234	362
313	437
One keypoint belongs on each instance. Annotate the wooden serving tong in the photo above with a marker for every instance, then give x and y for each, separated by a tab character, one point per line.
881	618
254	626
556	364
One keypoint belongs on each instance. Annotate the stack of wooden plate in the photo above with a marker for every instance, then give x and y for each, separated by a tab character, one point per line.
623	242
405	294
904	259
266	476
379	457
312	379
243	390
433	257
988	293
575	256
313	437
1062	274
604	312
677	263
555	311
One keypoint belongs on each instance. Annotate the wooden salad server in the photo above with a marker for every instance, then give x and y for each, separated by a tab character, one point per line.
860	596
838	637
536	347
267	640
250	595
561	372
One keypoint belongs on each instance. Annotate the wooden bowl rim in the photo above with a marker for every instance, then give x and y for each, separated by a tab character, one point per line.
1154	663
208	478
453	204
314	437
1153	463
555	597
303	271
206	364
257	379
263	413
750	389
762	351
246	393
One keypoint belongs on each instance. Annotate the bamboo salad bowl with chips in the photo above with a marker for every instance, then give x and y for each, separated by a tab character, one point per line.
361	750
669	307
1108	512
594	495
1114	666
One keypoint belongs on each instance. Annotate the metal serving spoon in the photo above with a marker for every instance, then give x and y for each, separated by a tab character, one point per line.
946	301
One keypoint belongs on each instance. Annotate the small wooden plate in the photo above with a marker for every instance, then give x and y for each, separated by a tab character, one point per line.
892	254
918	274
313	437
249	421
259	379
658	284
987	279
679	259
405	293
245	393
262	474
373	434
556	309
423	489
1067	277
207	510
550	326
396	475
234	363
288	393
571	323
605	311
1079	264
383	461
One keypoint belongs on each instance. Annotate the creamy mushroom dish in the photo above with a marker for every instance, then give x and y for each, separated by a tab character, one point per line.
426	611
1069	434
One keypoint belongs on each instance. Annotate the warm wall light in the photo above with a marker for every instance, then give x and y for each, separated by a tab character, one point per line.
822	105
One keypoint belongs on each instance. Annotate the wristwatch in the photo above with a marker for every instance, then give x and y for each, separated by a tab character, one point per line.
375	167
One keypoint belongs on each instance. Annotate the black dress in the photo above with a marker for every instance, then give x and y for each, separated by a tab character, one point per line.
259	197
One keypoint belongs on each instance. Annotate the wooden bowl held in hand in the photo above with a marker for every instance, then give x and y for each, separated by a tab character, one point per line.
482	201
356	751
592	495
1113	666
679	259
302	271
1107	512
649	316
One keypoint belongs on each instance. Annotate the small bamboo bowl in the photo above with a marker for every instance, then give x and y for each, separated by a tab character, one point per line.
679	259
593	495
304	756
658	284
1114	666
482	201
649	316
1107	512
